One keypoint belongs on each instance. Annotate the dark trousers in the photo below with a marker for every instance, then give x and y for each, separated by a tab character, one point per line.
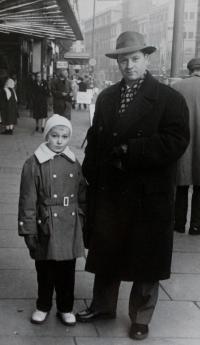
142	300
58	275
181	207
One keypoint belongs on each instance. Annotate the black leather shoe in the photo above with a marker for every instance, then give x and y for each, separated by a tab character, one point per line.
89	315
195	230
138	331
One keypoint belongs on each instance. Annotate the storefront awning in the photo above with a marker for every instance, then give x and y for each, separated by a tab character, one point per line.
77	58
39	18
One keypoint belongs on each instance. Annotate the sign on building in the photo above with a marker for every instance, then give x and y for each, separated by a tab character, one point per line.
62	64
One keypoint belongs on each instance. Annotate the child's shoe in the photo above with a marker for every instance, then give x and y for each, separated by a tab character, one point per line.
68	319
38	316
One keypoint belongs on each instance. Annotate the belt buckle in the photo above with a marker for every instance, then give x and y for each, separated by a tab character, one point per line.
66	201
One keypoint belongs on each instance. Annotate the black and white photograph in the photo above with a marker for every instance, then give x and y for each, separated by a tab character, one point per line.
99	172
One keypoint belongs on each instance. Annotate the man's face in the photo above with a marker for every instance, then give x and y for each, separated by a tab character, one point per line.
132	66
64	73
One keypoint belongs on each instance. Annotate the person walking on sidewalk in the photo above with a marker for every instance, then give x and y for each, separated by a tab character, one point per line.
52	196
40	93
140	129
188	173
62	94
8	103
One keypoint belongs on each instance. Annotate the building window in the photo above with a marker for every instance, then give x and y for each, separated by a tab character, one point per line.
192	15
186	15
190	35
184	35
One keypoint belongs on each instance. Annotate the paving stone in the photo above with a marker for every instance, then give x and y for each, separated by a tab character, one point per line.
170	320
183	287
80	264
127	341
9	208
18	340
8	222
9	198
10	239
15	284
18	313
174	319
186	243
84	285
186	263
15	258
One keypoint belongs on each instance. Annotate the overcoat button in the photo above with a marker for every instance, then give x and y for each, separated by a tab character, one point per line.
39	221
115	134
73	213
71	175
55	196
21	223
55	214
72	195
54	175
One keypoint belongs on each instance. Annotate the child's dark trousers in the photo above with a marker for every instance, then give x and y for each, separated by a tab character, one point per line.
58	275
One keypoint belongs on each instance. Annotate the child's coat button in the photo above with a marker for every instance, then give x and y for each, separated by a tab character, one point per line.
54	175
55	214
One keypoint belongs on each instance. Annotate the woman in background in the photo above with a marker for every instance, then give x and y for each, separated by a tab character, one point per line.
8	103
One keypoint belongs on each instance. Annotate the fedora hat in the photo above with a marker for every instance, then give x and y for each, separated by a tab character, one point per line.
130	42
193	64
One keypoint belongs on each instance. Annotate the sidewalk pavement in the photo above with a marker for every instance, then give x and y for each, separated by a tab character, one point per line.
177	317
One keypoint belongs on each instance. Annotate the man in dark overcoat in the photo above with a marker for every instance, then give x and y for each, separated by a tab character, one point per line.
62	94
139	131
188	169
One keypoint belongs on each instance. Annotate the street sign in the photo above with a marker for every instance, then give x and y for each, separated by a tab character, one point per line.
92	62
61	64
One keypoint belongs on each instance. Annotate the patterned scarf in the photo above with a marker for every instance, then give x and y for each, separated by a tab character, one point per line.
129	93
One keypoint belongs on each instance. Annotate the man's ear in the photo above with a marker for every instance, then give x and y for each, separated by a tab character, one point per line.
147	59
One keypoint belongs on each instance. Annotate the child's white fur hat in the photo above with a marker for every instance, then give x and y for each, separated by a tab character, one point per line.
57	120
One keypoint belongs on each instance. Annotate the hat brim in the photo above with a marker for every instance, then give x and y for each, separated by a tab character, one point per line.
146	50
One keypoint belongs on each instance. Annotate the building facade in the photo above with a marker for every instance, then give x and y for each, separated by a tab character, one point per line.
155	20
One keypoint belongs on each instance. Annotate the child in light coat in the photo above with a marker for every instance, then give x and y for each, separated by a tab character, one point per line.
52	197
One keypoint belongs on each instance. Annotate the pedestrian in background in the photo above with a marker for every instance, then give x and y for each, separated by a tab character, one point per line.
62	94
40	94
52	195
188	173
8	103
74	91
82	87
140	129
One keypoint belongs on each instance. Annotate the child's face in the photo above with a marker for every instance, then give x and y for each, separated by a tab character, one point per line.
58	138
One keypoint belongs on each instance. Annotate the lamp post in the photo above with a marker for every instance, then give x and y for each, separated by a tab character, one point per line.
93	28
177	41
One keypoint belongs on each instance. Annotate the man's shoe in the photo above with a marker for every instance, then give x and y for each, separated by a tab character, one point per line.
67	319
89	315
38	316
194	230
138	331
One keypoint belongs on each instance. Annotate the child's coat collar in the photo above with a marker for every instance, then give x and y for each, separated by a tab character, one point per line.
44	154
